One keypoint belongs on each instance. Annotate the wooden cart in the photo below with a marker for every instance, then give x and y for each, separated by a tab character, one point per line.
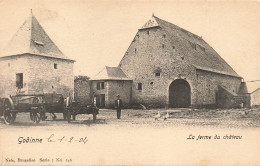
10	106
76	108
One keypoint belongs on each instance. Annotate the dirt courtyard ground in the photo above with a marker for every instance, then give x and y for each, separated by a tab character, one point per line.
136	139
227	118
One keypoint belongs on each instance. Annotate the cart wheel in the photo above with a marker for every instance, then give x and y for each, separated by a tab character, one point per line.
54	117
69	116
36	117
43	113
9	116
14	116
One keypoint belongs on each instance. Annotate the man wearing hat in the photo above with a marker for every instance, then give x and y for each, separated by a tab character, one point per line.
118	106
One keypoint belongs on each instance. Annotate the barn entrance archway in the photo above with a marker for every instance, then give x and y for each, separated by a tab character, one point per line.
179	94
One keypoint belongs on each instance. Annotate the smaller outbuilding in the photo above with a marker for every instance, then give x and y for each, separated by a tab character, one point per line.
254	91
110	82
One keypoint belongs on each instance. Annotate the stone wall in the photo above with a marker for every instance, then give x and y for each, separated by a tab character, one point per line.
255	98
123	88
39	75
10	66
207	86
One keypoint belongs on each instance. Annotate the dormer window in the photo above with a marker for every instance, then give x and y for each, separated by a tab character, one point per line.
38	43
202	48
193	45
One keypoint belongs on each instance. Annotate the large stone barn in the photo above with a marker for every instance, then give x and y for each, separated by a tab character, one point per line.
32	64
171	67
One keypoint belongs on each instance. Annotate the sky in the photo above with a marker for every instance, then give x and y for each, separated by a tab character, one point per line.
98	33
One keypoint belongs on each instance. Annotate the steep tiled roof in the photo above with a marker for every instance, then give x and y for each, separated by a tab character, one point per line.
32	39
110	73
199	53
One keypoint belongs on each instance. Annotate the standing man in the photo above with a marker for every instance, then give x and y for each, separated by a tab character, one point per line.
118	106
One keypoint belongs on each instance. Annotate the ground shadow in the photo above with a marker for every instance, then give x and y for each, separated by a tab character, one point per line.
89	122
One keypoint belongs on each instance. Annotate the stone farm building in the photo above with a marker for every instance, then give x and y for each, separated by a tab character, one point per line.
253	91
167	66
32	64
110	82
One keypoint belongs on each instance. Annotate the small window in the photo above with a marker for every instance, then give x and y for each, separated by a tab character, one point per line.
19	80
140	86
173	47
151	83
137	35
100	85
55	66
164	36
182	57
197	76
135	50
157	74
163	45
148	32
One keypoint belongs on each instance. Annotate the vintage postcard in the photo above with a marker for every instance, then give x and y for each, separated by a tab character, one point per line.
87	82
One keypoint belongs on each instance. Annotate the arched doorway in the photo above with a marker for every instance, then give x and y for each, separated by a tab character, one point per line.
179	94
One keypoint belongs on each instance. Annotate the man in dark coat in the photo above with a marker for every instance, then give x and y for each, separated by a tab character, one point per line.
118	106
